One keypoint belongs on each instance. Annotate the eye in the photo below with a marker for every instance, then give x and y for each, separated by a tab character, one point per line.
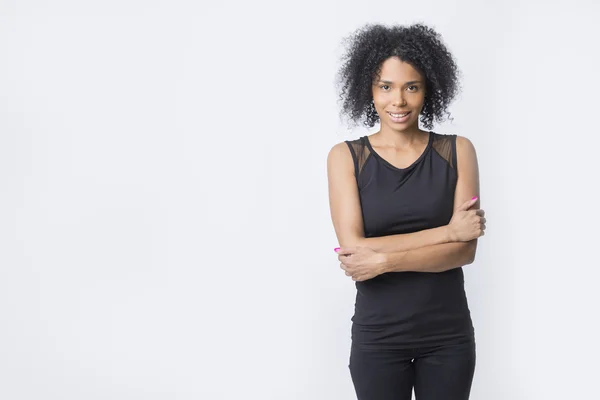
414	88
384	87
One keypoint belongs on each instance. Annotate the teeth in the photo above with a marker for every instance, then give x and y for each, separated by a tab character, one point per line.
399	115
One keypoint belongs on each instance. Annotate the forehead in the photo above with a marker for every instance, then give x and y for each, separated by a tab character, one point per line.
396	70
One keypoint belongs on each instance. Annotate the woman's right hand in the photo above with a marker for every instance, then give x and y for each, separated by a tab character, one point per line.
466	224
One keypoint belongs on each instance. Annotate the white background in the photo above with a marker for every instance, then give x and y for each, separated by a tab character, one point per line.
164	221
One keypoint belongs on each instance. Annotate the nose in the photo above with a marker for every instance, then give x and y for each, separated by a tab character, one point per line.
399	100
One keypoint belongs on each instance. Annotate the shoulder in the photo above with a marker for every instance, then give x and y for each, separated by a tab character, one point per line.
339	150
464	144
465	152
461	141
347	148
340	155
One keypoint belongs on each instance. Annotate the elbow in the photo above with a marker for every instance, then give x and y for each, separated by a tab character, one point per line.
470	259
470	252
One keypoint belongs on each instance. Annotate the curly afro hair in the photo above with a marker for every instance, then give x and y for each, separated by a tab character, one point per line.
418	45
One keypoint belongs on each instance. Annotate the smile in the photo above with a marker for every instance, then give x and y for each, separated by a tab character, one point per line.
399	117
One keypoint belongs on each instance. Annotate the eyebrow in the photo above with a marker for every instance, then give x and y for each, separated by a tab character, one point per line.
407	83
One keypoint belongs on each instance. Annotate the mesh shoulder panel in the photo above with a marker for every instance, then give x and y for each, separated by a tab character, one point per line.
445	145
360	154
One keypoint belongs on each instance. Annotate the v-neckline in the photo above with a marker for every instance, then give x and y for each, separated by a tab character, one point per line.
429	142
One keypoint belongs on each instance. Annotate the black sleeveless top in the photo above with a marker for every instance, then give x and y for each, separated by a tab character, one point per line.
408	309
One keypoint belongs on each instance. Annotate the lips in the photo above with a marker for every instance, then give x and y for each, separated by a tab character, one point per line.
399	114
399	118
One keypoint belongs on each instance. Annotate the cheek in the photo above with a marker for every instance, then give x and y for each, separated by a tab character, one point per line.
417	98
381	101
378	104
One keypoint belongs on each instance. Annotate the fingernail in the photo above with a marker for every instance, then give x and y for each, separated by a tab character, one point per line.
474	198
336	249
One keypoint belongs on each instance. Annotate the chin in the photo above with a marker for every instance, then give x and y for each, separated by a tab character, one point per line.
399	127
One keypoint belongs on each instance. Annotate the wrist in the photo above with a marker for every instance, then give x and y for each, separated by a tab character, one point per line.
393	262
449	233
384	263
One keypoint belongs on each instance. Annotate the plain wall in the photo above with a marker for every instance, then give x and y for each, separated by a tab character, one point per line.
164	220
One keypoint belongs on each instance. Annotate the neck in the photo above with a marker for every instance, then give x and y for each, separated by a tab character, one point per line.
400	138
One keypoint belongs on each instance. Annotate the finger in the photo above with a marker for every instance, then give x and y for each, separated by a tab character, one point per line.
480	212
483	220
348	273
343	258
345	251
344	267
467	204
483	227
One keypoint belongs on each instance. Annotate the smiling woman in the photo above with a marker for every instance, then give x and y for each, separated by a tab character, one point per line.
390	92
405	208
419	46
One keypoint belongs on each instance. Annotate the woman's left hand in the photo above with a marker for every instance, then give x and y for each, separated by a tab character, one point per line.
361	263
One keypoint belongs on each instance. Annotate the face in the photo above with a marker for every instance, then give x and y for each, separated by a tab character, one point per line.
399	89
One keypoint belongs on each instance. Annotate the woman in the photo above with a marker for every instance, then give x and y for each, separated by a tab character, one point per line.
405	208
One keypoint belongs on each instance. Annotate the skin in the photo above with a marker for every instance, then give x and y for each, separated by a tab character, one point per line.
400	87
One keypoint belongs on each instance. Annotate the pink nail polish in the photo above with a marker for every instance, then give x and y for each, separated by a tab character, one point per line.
336	249
474	198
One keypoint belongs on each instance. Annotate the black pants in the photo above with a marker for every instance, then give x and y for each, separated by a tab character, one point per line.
435	373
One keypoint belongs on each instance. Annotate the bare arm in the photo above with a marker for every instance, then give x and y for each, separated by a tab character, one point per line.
442	257
408	241
344	204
